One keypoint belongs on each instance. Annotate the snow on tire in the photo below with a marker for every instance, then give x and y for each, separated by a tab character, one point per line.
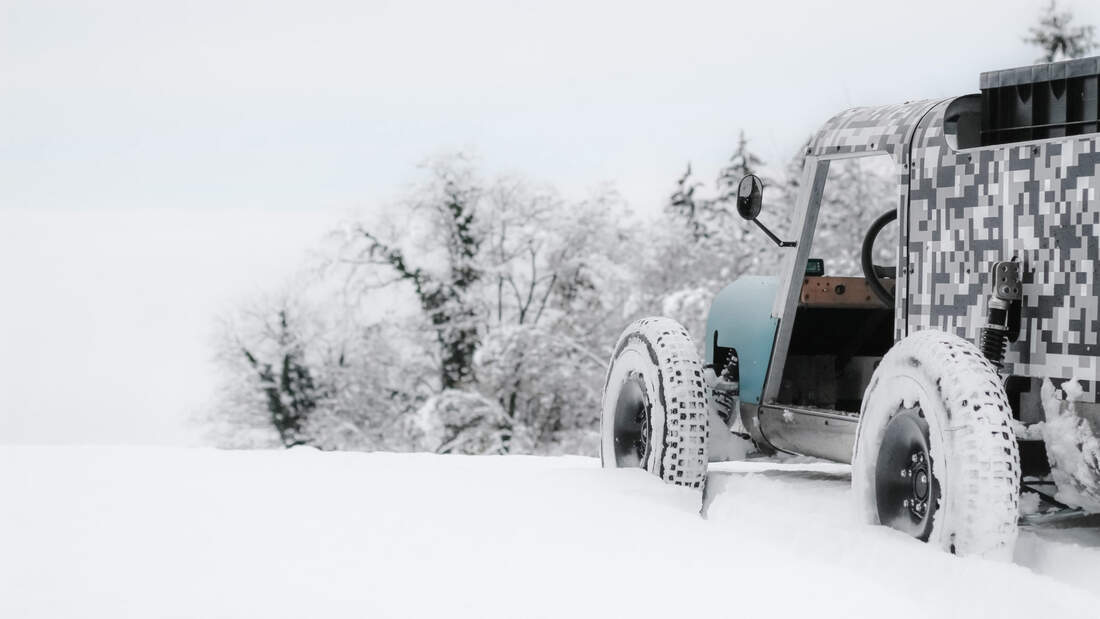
654	410
942	383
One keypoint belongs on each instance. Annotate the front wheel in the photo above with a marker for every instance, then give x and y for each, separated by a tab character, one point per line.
654	411
935	456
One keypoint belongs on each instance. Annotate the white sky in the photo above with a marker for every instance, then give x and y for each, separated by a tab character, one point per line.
200	147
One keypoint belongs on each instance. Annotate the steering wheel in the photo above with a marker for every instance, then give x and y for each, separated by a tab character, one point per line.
873	273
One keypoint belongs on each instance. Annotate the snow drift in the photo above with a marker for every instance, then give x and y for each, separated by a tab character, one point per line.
143	532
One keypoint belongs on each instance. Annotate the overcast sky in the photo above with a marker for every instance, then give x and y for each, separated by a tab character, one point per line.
242	125
319	104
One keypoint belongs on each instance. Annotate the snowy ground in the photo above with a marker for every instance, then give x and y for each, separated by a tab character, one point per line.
163	532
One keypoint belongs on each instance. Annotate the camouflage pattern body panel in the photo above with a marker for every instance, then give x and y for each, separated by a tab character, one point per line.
1032	201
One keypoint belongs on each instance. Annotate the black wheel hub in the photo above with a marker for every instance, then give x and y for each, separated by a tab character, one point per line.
907	494
631	429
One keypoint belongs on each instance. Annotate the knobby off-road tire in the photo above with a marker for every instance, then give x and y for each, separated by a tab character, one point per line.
943	384
654	411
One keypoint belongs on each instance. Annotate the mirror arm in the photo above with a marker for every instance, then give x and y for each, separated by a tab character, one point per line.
773	237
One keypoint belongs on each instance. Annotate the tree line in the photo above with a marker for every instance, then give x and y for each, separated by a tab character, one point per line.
478	316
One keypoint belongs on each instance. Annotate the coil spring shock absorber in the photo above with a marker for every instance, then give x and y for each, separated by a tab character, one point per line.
1005	291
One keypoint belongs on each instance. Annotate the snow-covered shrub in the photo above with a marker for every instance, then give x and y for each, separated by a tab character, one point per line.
463	422
297	375
546	384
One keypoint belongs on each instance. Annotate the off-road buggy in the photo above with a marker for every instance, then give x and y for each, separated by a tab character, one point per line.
951	381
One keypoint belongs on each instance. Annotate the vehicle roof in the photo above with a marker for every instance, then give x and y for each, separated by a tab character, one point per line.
883	128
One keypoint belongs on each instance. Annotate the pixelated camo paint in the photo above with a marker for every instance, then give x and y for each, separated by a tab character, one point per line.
1030	201
887	128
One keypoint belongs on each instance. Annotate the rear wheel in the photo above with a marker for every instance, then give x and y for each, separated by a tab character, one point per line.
935	456
654	412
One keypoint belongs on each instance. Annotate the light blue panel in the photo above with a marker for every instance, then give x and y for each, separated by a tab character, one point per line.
741	314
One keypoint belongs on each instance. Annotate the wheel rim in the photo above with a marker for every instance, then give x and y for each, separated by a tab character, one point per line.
906	491
632	423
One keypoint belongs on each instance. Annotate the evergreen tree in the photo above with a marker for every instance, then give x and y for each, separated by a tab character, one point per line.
1057	39
741	164
683	205
707	217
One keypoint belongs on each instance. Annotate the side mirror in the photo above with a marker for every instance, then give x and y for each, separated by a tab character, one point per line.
750	194
750	197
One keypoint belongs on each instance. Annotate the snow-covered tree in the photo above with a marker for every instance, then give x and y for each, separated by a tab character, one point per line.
683	205
563	305
374	390
709	216
298	373
556	281
742	163
450	201
533	286
271	388
1057	38
286	380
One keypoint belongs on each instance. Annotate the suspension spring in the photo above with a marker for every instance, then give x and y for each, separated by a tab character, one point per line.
993	342
1005	290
